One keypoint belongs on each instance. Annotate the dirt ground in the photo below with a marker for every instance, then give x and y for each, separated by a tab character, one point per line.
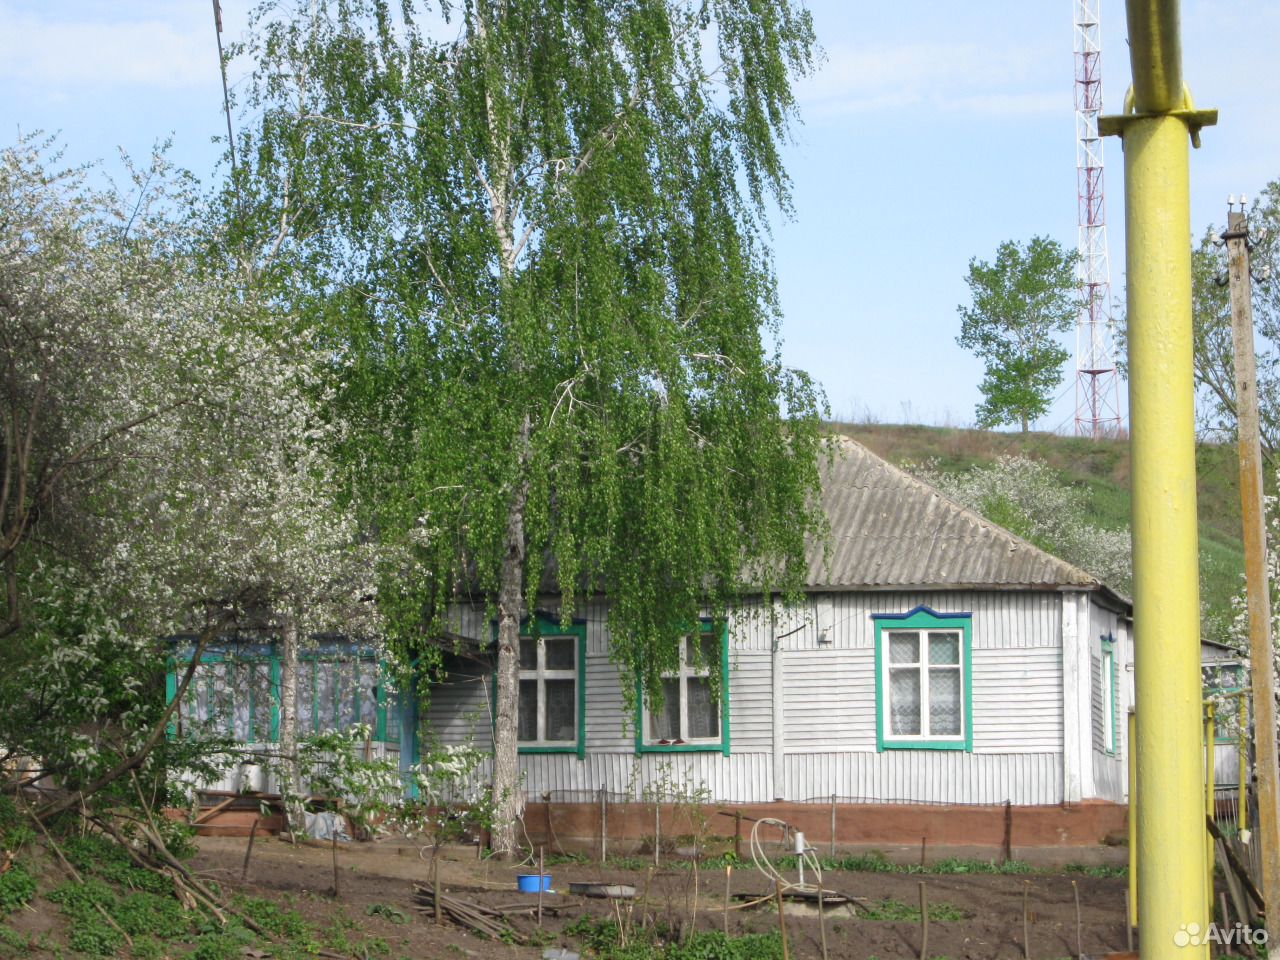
384	872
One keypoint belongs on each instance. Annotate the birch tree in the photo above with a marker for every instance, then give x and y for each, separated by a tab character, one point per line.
535	234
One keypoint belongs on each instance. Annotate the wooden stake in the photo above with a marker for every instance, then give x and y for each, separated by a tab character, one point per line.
737	834
1008	831
782	922
922	846
644	916
822	922
1026	936
540	883
832	848
924	922
622	930
435	886
728	883
657	832
693	911
1075	889
604	824
1226	917
244	870
333	845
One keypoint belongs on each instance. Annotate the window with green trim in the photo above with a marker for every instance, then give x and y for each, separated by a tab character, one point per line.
236	692
551	704
229	696
694	712
923	684
549	692
1110	725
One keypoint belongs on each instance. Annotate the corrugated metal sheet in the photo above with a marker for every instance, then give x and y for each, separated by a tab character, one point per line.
889	529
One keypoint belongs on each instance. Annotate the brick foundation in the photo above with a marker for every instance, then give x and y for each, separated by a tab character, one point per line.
576	826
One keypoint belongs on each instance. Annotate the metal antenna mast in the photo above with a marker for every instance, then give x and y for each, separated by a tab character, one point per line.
1097	383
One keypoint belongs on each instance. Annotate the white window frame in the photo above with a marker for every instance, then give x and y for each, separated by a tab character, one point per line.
541	673
689	670
923	667
1110	730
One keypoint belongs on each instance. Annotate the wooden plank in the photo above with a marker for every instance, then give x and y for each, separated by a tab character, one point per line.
214	811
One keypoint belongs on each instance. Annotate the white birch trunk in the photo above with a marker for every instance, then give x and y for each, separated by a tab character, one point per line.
508	798
290	787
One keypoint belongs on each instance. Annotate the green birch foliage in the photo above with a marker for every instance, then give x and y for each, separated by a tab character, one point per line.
1017	304
534	236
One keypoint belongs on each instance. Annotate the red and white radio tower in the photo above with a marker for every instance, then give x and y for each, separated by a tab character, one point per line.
1097	383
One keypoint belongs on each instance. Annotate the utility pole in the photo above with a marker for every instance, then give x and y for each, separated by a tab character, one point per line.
1159	119
1261	653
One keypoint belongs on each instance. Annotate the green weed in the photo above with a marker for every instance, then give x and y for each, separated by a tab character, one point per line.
14	942
17	887
890	909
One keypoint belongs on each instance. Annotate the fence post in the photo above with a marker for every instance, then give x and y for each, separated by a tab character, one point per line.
1008	831
604	824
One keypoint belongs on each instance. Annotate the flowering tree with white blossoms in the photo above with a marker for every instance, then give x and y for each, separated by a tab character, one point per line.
1026	497
164	469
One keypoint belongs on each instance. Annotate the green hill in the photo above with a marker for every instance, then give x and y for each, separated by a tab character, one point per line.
1100	469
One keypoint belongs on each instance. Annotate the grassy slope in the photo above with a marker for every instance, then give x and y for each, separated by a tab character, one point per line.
1101	469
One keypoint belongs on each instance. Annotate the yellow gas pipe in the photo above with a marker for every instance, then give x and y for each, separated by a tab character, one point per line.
1169	809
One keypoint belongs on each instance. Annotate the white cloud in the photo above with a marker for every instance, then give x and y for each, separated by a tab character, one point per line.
39	52
957	77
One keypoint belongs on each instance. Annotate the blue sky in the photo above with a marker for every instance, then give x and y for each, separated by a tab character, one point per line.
933	131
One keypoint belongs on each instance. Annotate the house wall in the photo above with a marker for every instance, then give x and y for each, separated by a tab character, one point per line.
1110	768
818	738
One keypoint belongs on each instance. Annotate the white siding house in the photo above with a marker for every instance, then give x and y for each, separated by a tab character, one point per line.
938	658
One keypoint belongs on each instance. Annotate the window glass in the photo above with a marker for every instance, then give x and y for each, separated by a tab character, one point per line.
664	724
345	693
221	704
944	648
528	716
904	701
944	702
562	710
306	698
710	653
560	652
904	648
528	653
198	697
704	713
326	682
241	673
368	683
393	720
263	701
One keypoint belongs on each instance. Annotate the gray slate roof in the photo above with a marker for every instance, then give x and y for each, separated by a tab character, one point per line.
890	530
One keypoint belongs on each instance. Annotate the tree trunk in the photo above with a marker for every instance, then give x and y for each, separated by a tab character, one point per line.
508	798
291	787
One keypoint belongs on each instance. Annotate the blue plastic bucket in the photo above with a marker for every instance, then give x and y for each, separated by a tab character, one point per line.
528	882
